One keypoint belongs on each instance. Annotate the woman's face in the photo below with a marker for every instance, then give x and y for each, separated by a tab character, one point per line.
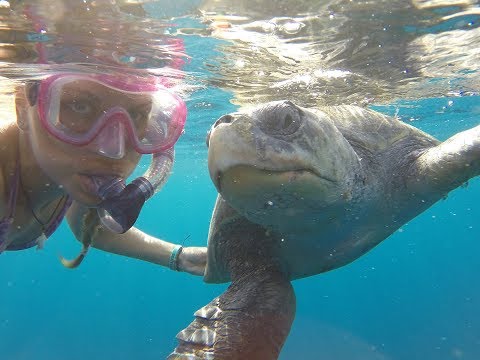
71	166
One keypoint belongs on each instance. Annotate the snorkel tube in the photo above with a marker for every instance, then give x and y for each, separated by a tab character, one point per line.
121	204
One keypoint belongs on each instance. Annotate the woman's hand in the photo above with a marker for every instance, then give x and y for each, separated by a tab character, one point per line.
193	260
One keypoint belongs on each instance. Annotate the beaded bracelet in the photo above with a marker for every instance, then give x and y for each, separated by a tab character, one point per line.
173	261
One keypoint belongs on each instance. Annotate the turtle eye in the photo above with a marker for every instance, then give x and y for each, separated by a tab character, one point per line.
283	118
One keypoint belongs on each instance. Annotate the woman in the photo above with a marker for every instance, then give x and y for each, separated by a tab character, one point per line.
76	139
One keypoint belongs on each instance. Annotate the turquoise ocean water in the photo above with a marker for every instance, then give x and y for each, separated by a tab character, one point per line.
415	296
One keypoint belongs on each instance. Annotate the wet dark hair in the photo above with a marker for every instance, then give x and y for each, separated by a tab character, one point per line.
31	89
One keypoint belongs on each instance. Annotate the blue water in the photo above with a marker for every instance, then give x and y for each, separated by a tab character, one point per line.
415	296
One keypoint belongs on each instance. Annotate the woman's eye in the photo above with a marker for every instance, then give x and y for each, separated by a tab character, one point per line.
81	107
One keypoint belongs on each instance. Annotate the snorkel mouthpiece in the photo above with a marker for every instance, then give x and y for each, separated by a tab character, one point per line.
121	204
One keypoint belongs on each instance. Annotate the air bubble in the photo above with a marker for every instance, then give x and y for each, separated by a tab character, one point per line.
292	27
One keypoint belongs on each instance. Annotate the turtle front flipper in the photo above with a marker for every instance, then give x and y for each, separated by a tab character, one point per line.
252	318
448	165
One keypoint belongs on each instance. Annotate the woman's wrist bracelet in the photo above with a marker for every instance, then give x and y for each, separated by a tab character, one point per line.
173	261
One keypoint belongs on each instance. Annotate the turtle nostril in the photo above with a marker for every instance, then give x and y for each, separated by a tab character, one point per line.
225	119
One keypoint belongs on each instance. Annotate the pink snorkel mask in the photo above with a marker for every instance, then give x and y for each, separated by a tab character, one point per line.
106	111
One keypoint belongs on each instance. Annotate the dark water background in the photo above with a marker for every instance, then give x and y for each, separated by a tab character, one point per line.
415	296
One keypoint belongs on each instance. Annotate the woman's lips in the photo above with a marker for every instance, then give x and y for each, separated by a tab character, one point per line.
92	183
87	184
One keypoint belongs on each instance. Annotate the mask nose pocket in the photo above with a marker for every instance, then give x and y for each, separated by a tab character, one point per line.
110	142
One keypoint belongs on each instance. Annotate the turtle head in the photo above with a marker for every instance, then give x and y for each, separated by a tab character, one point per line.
280	162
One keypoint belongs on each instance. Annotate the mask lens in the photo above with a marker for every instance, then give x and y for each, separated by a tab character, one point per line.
77	108
140	114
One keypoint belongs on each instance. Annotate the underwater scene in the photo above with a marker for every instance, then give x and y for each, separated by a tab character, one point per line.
376	259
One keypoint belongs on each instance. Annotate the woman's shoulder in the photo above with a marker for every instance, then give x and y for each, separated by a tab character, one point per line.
8	158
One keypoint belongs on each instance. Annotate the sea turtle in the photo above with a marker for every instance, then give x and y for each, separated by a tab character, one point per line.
301	192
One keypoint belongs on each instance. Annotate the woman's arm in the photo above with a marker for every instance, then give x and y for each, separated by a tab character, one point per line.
136	244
